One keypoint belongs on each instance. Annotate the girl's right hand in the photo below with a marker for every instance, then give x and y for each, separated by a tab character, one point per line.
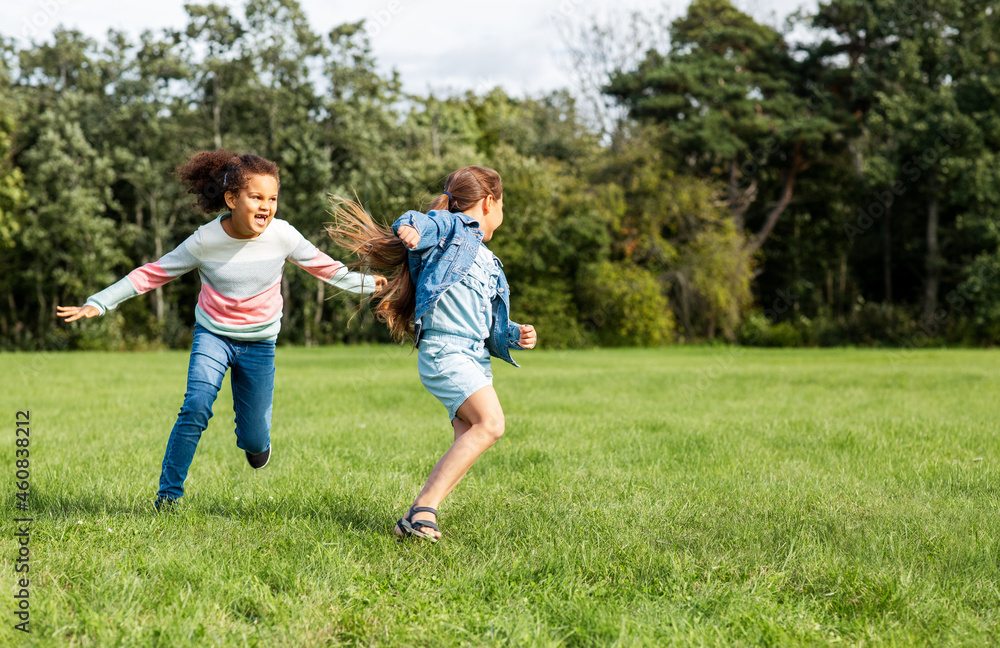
409	236
73	313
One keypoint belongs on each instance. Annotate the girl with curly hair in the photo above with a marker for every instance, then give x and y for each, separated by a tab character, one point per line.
239	255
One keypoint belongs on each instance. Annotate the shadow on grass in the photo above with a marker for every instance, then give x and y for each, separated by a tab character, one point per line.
354	515
326	508
77	505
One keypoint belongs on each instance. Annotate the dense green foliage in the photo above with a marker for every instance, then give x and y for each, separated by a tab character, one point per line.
842	189
665	497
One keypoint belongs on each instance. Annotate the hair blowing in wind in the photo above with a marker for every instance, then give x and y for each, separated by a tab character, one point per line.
378	249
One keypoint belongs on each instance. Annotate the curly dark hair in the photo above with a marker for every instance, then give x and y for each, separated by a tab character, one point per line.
210	174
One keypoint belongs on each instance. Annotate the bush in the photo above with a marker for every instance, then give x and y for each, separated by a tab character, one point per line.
625	305
979	293
758	330
869	324
550	309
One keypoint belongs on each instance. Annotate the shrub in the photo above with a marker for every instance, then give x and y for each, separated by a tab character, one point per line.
625	306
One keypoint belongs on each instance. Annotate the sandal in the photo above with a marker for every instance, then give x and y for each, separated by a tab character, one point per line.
410	527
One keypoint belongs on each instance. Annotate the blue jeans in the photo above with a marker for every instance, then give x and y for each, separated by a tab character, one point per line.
253	394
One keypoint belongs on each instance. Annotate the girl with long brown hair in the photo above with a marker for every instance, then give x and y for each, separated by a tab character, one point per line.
449	292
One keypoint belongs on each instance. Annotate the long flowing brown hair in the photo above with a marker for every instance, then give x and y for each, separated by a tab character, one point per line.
379	250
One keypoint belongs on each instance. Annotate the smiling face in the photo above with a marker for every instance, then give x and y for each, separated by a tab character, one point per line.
253	208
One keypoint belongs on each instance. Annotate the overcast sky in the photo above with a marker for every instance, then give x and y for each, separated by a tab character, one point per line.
437	45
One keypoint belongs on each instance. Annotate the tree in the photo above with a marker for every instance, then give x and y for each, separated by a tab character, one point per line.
919	75
145	142
222	73
68	246
734	106
676	227
11	179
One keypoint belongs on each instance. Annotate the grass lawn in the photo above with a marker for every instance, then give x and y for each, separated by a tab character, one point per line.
670	497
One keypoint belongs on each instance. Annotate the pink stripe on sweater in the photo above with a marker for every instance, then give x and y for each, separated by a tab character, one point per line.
255	310
322	266
148	277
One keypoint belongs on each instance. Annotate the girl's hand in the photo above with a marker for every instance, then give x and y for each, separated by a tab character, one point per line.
409	236
528	337
380	282
73	313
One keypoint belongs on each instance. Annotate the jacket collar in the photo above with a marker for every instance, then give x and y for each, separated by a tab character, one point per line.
468	220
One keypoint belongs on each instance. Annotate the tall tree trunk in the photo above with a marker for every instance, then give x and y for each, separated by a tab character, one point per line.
887	253
154	217
933	256
734	199
829	288
842	305
18	326
784	200
139	219
740	201
217	111
272	117
43	308
435	136
320	300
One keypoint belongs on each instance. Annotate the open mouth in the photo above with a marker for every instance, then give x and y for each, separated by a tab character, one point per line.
260	219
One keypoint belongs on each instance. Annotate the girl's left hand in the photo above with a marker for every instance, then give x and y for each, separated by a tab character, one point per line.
380	282
73	313
528	337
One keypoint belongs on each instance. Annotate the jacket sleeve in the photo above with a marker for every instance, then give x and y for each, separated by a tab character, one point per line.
514	335
150	276
428	228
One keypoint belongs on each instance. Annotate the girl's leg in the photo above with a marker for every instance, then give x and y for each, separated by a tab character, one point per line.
478	425
210	357
253	395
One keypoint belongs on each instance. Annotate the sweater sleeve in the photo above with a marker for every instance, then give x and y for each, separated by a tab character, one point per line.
149	277
320	265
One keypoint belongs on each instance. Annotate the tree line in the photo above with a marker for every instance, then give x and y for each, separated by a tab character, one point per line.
738	185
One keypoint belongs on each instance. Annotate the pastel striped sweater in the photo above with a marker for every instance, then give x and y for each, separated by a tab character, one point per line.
240	278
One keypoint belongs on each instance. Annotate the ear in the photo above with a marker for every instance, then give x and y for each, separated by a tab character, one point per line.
230	199
487	204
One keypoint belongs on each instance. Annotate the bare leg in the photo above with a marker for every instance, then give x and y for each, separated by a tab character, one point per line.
461	427
478	424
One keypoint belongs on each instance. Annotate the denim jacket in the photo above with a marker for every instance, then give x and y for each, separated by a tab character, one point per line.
447	249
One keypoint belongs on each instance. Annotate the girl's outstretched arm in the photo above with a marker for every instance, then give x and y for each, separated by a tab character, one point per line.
73	313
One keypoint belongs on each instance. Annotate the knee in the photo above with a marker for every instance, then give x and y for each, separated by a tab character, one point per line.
493	427
197	406
257	446
254	436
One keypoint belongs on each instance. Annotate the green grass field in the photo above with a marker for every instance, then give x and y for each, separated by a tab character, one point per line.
674	497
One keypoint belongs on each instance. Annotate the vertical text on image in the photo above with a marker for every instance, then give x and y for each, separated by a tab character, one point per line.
22	523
